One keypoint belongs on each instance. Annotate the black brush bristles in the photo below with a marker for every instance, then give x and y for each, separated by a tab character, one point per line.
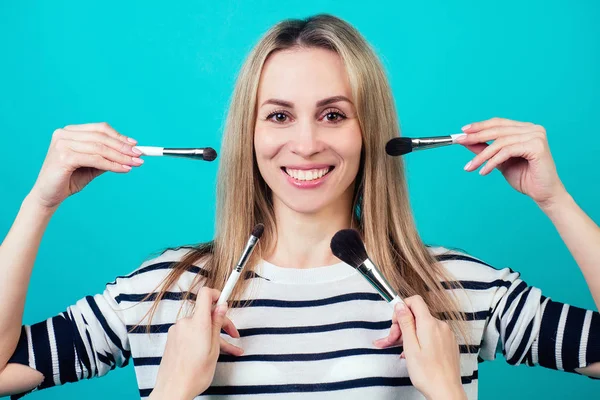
258	230
349	247
399	146
209	154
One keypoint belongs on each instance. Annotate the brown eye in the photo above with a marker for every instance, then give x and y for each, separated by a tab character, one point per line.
280	117
333	117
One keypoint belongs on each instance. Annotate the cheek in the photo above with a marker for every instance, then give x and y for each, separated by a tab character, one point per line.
266	144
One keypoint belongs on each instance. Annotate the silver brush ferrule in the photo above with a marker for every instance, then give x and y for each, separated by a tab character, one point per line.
431	142
372	274
193	153
246	253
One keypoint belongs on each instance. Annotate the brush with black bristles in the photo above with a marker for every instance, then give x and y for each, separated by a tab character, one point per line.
400	146
257	232
199	153
348	247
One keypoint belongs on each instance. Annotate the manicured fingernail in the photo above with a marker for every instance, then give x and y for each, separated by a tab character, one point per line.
137	160
221	309
482	171
135	150
399	307
127	167
461	138
131	140
464	128
468	165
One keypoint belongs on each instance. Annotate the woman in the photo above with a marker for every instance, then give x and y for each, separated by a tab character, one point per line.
303	154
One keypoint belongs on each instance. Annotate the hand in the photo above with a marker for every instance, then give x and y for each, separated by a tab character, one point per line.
78	154
430	350
520	151
188	364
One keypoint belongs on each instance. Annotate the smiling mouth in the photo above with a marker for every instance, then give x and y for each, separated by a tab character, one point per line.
307	174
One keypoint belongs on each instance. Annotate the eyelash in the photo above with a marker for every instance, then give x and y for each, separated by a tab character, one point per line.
337	112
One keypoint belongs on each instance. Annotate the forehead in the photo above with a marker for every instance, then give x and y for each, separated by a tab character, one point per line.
303	74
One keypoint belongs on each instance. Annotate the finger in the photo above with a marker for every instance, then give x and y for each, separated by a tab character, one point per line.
419	308
520	149
218	317
402	355
99	137
230	328
106	152
203	308
495	147
101	127
393	338
229	348
494	133
478	126
477	148
74	160
406	321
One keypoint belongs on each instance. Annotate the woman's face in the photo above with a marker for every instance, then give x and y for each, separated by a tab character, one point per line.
307	138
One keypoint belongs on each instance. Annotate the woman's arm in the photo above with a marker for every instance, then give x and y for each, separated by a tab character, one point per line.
520	151
17	255
77	154
581	236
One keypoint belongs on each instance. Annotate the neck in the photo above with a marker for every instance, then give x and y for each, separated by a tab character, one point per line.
303	240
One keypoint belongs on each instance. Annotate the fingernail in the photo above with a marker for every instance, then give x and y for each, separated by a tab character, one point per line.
137	160
482	171
135	150
468	165
131	140
127	167
221	309
461	138
400	307
464	128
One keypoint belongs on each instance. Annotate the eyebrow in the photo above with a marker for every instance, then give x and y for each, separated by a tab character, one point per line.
320	103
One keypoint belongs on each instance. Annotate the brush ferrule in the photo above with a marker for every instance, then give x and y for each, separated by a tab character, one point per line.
193	153
431	142
372	274
246	253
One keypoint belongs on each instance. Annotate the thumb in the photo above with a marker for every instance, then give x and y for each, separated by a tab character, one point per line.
406	321
217	321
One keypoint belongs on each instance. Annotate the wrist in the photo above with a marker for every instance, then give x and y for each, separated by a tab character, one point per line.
32	204
554	204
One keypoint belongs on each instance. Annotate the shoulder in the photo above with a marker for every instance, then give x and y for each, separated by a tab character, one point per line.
152	273
462	266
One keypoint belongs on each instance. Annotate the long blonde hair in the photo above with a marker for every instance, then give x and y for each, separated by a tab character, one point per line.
382	212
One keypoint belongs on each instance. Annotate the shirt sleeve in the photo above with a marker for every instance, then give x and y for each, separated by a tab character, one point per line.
529	328
87	340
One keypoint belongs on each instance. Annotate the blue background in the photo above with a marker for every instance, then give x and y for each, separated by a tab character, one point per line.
162	72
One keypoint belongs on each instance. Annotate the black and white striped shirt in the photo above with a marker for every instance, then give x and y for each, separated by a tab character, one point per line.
308	333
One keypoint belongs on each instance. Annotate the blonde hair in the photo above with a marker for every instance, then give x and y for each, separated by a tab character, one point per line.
382	213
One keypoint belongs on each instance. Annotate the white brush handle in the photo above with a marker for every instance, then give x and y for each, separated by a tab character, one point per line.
456	136
395	301
150	150
233	278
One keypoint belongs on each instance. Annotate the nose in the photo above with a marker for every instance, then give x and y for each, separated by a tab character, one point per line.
306	141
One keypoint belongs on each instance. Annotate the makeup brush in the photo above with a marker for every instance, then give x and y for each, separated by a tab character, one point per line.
348	247
400	146
201	153
257	232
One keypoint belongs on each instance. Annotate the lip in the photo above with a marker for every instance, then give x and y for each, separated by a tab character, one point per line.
315	183
308	166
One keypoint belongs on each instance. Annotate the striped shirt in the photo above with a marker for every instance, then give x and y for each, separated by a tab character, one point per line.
308	332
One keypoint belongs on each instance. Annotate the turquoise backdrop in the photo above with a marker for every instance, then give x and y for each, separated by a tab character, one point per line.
162	72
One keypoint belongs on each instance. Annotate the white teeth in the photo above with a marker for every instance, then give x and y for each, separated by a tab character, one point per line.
306	175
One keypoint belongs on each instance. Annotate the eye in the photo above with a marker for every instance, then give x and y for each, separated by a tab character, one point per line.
333	116
278	117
